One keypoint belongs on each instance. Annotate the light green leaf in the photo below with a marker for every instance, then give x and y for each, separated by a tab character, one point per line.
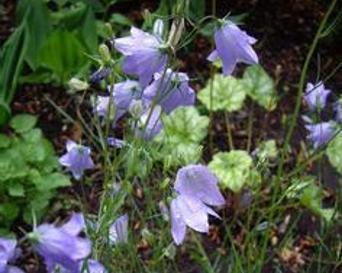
260	87
233	169
185	124
228	94
23	123
311	198
267	150
118	18
334	152
16	190
54	181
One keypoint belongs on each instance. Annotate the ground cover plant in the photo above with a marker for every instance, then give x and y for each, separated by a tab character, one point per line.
166	170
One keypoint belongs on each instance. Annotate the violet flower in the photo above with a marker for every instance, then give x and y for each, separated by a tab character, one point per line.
196	187
316	96
123	94
77	159
62	246
92	266
320	133
170	90
191	212
115	142
118	231
145	54
197	181
149	124
7	255
233	46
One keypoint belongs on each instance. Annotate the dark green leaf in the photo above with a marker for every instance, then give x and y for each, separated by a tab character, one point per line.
16	190
5	141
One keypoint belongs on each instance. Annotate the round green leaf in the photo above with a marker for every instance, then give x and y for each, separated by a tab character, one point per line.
5	141
23	123
233	169
260	86
228	94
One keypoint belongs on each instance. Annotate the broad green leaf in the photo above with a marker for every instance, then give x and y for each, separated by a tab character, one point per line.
12	60
260	87
179	140
334	152
224	93
23	122
267	150
12	165
5	141
233	169
16	190
185	125
117	18
54	181
8	211
35	135
311	198
68	54
197	9
38	27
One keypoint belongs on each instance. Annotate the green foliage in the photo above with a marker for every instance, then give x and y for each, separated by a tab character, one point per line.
12	59
228	94
29	172
234	170
68	55
334	152
180	139
260	87
267	150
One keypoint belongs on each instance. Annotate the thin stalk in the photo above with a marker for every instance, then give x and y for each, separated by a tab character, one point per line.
293	122
229	131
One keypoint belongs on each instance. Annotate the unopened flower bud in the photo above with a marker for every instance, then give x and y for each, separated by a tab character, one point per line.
77	85
176	32
136	108
158	28
105	53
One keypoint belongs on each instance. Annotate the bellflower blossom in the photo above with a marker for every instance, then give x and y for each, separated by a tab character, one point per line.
118	231
62	246
144	54
170	90
320	133
233	46
149	124
316	96
196	187
8	254
123	94
77	159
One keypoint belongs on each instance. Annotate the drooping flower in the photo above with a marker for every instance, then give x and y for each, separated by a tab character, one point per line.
170	90
7	255
144	54
320	133
123	94
62	246
191	212
118	231
149	124
115	142
233	46
197	188
197	181
316	95
77	159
